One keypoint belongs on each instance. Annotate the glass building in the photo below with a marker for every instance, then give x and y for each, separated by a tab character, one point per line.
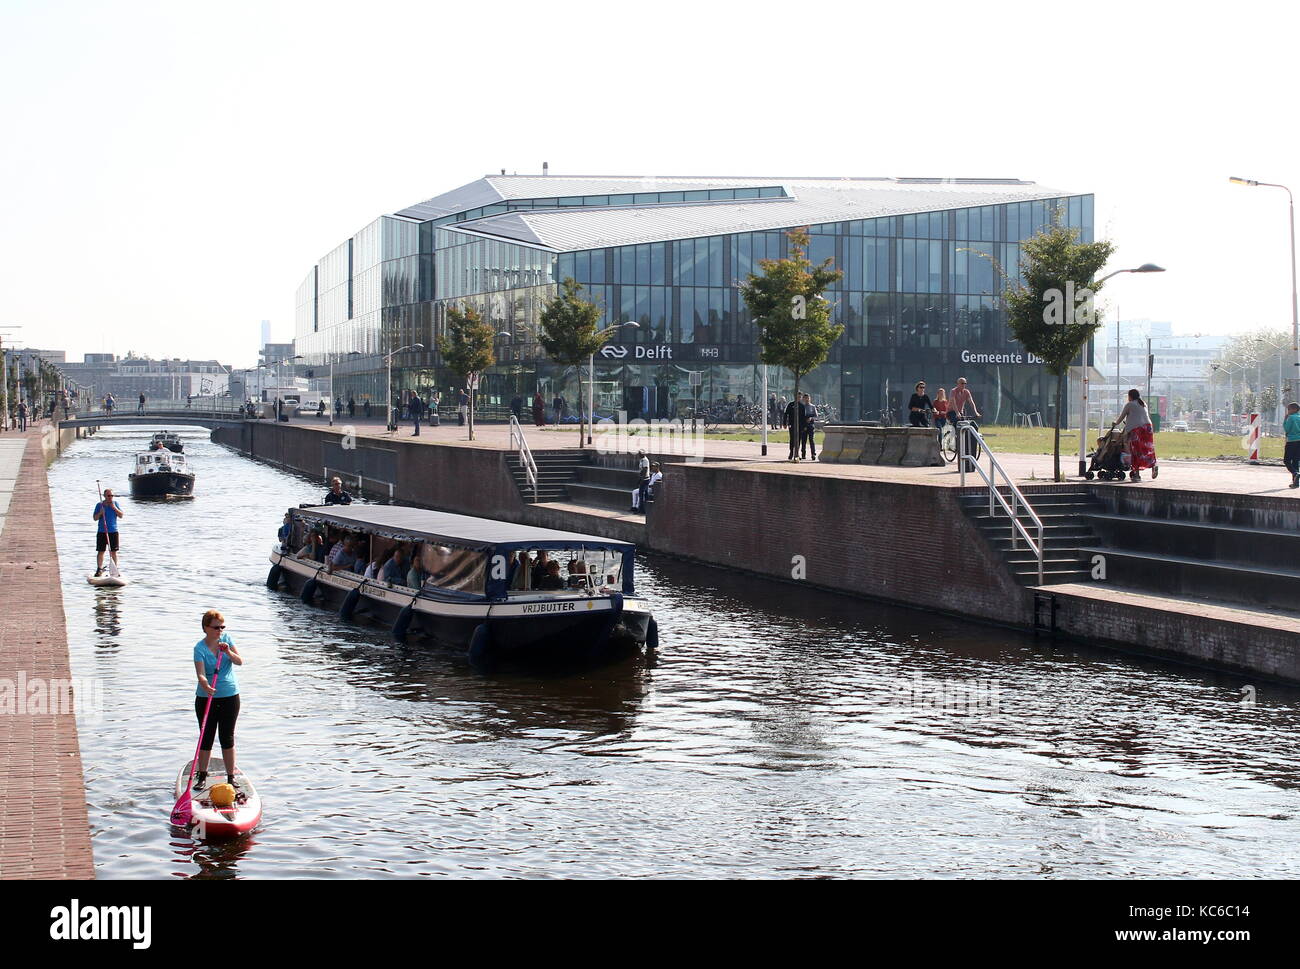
922	260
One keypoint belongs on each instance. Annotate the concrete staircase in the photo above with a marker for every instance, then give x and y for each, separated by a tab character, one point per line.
1068	536
555	471
1206	560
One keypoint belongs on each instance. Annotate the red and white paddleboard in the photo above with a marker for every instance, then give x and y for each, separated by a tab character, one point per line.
211	821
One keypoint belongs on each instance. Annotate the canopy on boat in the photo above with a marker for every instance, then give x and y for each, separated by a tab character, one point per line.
394	521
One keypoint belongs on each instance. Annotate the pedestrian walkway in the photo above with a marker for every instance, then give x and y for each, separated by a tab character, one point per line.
44	829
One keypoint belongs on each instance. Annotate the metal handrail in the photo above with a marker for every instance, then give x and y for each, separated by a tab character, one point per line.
990	479
525	455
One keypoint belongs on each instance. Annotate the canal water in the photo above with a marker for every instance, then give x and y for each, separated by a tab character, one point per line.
779	732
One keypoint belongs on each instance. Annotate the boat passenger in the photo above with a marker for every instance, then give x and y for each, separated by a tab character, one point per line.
394	570
552	580
577	574
282	536
539	568
416	576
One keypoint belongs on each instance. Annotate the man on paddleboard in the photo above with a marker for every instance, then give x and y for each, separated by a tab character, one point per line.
225	694
106	515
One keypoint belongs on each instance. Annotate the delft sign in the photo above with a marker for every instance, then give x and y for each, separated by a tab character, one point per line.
618	351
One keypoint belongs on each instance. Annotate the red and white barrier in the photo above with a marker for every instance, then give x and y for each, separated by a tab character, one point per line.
1254	439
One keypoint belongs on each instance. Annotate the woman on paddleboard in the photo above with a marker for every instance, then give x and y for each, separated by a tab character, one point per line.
225	693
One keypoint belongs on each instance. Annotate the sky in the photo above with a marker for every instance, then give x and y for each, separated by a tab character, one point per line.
169	172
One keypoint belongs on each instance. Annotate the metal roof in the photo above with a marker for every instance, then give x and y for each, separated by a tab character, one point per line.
812	201
418	523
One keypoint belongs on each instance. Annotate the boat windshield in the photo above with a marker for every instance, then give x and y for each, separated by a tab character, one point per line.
579	570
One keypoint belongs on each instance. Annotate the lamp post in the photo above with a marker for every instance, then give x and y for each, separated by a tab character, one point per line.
591	375
350	353
1146	267
392	426
4	380
1295	306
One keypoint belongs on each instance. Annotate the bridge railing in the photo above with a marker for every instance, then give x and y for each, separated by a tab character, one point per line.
198	406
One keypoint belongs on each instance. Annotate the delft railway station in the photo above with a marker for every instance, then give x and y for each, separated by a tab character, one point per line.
918	299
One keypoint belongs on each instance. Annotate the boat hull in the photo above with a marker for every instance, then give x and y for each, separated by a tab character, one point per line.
162	484
557	630
217	823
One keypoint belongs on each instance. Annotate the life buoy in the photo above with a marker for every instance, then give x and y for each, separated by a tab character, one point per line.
350	603
273	577
308	594
403	623
480	648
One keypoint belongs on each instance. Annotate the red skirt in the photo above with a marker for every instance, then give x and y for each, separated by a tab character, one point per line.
1141	448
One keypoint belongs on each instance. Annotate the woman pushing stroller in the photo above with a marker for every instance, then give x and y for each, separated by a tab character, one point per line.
1139	438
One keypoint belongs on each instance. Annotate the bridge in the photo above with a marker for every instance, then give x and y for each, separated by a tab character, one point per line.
200	412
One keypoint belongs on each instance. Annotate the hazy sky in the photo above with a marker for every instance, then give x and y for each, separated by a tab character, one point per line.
169	172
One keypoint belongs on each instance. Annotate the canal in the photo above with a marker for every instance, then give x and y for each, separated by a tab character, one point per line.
780	732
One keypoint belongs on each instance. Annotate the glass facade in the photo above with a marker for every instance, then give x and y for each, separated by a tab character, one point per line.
919	300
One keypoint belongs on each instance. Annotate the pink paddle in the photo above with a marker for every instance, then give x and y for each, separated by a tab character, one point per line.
182	814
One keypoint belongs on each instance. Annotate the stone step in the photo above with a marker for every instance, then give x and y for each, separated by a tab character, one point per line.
600	496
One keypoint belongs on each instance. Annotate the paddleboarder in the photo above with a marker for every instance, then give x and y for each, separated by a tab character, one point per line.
224	694
107	512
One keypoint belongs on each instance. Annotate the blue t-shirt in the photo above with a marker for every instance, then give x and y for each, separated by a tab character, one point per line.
109	521
1292	427
227	685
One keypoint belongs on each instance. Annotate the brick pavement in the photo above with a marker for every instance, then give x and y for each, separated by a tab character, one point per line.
44	828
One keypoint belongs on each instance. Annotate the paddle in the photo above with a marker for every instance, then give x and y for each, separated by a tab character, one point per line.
182	815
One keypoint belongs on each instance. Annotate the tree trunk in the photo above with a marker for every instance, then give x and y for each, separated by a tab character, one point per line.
1056	437
473	390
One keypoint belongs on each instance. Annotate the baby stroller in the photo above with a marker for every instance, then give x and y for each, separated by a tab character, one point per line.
1109	461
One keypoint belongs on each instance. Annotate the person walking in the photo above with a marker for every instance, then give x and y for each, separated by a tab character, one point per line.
224	691
140	406
539	409
517	406
557	408
1139	437
808	428
106	514
417	405
1292	453
367	407
462	407
109	404
920	406
22	415
352	406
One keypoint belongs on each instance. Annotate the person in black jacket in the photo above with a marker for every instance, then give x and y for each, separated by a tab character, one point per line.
792	420
808	427
920	406
336	495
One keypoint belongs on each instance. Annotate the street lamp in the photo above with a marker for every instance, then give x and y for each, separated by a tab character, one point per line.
1146	267
350	353
392	426
591	375
1295	306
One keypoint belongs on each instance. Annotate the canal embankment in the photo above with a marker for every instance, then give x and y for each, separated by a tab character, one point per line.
44	827
897	536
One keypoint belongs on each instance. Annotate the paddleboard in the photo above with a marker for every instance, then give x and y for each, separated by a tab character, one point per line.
111	581
211	821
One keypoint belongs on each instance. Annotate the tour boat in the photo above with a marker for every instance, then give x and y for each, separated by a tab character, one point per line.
161	474
168	439
463	584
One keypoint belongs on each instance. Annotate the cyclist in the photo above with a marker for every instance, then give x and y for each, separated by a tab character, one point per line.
919	406
961	396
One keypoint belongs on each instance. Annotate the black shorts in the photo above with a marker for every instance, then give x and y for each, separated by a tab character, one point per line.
105	540
225	711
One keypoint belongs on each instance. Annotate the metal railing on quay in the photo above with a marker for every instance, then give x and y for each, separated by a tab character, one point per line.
529	465
996	498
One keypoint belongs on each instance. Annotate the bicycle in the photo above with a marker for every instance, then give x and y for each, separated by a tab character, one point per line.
948	440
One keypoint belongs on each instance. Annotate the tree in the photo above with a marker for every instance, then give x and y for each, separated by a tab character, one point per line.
1049	312
570	335
793	317
466	348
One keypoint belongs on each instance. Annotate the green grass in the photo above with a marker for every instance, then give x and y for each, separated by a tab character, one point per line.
1038	440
